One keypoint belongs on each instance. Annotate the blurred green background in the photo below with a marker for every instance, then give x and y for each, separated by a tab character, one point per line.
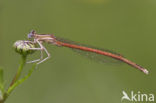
125	26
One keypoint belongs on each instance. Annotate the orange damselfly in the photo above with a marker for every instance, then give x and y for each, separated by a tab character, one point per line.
49	38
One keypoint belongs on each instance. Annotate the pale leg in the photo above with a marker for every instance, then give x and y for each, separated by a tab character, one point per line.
41	57
48	55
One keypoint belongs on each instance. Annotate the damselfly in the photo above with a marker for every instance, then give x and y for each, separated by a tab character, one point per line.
49	38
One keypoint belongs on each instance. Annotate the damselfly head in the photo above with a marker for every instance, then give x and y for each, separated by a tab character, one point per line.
31	34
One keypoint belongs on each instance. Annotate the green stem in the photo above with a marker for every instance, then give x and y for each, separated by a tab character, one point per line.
16	77
19	71
16	81
21	80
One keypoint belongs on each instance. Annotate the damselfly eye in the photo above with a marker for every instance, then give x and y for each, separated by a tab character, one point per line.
31	34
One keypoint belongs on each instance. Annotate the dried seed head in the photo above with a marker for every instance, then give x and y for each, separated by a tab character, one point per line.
23	47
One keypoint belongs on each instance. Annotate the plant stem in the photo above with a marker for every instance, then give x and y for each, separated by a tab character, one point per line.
15	79
20	81
18	73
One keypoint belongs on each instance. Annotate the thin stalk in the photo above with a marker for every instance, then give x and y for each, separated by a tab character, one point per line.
19	71
17	83
20	81
16	78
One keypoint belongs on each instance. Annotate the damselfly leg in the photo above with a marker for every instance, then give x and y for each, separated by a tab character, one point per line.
41	49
